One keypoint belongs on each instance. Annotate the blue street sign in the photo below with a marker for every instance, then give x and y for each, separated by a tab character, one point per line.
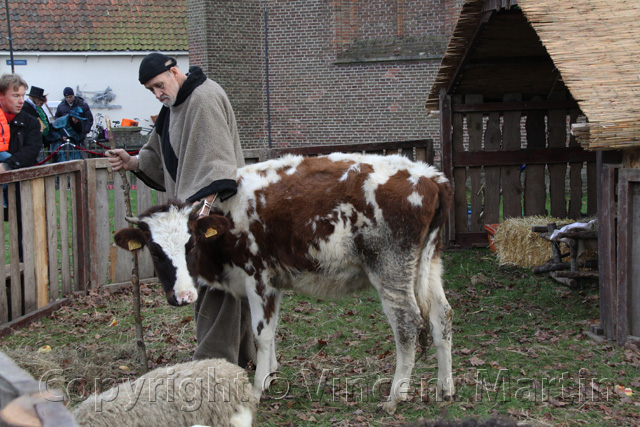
17	62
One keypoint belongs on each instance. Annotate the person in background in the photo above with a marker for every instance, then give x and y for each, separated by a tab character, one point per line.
193	153
67	131
33	106
72	101
25	139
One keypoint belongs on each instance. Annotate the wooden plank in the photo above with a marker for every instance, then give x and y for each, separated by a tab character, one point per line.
607	250
145	264
575	176
624	249
472	239
28	247
94	224
634	255
65	256
511	185
474	130
4	299
524	107
492	142
124	262
16	270
81	242
592	193
535	189
102	233
25	174
71	188
557	129
446	160
40	249
52	235
521	157
460	208
98	223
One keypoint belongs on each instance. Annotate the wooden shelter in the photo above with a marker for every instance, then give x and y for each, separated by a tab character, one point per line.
540	85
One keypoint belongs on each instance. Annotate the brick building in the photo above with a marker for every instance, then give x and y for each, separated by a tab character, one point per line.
341	71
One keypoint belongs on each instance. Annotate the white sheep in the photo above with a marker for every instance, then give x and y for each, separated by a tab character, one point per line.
210	392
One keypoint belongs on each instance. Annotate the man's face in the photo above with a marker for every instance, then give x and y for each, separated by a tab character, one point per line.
164	87
37	101
12	100
69	98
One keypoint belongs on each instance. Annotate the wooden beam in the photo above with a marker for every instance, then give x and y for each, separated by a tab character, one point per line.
375	146
466	55
488	107
28	318
506	61
523	157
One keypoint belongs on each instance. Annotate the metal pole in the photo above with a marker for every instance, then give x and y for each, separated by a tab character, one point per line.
266	60
6	6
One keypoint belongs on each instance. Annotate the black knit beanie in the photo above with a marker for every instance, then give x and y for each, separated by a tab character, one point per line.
153	64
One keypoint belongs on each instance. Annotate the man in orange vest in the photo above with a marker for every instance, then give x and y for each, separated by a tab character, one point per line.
25	139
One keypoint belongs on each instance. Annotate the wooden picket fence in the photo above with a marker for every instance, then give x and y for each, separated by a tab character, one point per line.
69	211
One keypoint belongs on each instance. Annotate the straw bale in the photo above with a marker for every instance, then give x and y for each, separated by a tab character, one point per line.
517	245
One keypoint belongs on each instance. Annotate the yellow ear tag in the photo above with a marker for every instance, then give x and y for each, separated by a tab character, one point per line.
210	232
134	245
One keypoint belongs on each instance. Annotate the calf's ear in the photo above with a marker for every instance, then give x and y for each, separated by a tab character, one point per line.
211	227
130	239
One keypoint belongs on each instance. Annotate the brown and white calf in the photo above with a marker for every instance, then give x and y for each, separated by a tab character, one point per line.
324	226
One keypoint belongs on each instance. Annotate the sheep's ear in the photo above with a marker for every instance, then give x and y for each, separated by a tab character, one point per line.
211	227
130	239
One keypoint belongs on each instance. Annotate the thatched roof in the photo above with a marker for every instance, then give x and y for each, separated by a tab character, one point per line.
595	44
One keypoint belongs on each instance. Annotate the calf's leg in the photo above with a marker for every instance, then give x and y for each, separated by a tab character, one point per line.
399	304
440	321
264	319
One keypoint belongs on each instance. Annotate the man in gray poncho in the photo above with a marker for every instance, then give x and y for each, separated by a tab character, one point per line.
193	153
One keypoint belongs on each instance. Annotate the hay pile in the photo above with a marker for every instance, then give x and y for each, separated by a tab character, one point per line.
516	244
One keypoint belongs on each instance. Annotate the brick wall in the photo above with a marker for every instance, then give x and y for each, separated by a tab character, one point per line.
341	71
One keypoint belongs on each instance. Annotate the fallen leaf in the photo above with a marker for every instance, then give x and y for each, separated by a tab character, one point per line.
114	322
624	391
475	361
44	349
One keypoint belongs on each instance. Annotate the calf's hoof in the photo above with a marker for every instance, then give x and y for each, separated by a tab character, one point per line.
390	407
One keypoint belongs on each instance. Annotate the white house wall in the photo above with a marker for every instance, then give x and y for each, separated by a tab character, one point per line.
92	73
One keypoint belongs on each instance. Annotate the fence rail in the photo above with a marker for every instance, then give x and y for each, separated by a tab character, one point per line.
67	213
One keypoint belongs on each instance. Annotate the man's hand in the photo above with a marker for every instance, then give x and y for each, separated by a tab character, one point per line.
120	159
2	168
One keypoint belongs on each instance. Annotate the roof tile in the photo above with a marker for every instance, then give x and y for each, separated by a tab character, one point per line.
96	25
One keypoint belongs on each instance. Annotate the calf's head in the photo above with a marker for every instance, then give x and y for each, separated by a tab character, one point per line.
174	234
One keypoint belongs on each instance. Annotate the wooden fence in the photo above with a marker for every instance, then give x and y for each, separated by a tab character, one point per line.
496	153
69	212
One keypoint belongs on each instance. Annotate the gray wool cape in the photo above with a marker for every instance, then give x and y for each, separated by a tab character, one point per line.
204	138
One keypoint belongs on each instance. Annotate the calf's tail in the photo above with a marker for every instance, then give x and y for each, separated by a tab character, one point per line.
429	264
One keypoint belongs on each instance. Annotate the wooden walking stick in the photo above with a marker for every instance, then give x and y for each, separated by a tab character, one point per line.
135	281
